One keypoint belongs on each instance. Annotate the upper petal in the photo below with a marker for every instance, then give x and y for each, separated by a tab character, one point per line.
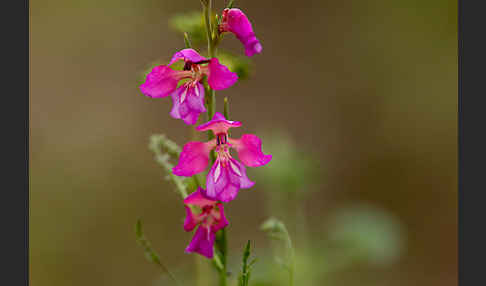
161	81
202	242
218	124
198	199
188	55
188	103
249	148
220	77
193	159
235	21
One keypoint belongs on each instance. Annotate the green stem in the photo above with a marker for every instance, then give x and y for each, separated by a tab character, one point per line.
212	53
221	245
209	30
196	180
210	94
226	108
211	107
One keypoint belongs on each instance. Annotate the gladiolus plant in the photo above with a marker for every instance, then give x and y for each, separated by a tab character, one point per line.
192	89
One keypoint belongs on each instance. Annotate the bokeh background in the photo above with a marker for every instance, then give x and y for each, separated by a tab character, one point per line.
356	100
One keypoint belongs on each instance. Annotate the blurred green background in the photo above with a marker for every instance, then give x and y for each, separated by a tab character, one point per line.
356	100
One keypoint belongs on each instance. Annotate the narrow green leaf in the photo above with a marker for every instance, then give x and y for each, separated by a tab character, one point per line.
217	262
244	277
187	42
149	253
246	254
226	108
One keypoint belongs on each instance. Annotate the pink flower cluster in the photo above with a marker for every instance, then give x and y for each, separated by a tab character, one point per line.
223	181
188	98
227	175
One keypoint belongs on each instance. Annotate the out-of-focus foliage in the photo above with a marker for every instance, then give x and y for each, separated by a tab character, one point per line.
292	169
161	141
277	230
165	150
274	228
238	64
191	23
366	233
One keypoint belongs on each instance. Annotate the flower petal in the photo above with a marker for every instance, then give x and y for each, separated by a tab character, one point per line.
220	77
222	222
188	103
202	242
245	182
190	221
225	185
198	199
218	124
161	81
193	159
249	148
188	55
223	188
235	21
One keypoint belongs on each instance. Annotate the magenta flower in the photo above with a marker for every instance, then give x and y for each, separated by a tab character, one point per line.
236	22
188	99
210	219
227	175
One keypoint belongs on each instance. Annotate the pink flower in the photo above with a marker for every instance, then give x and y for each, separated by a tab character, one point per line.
210	219
188	98
227	175
236	22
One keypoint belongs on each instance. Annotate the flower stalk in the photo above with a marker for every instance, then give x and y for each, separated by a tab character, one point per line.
193	92
221	240
211	100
